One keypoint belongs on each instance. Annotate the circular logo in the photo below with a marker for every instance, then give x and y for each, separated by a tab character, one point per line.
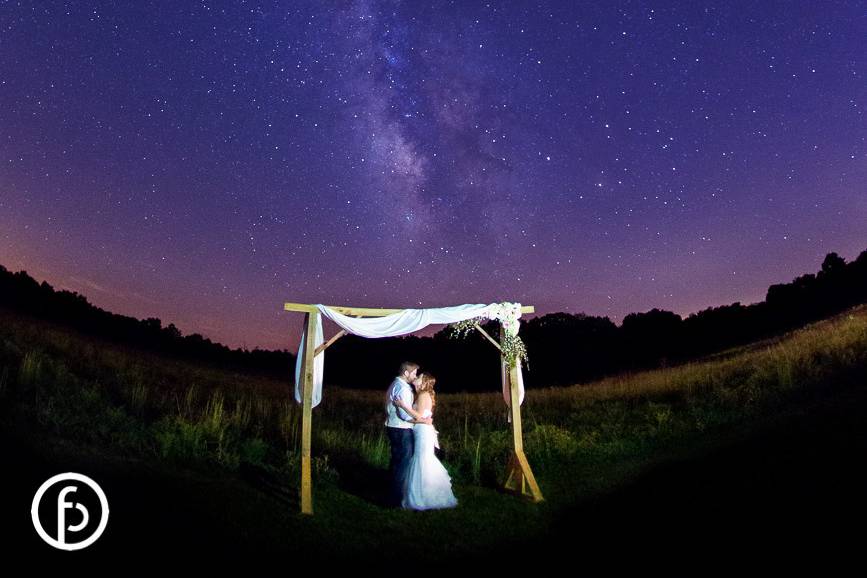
79	511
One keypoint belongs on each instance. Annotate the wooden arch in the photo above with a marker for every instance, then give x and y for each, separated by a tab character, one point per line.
519	477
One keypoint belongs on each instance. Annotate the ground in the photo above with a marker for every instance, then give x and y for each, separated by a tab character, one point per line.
794	488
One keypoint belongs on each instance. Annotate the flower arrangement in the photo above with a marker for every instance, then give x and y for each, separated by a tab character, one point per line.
508	314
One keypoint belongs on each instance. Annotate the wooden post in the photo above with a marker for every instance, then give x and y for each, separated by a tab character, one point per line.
307	413
519	476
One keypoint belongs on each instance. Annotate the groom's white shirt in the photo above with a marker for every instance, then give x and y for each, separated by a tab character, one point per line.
397	417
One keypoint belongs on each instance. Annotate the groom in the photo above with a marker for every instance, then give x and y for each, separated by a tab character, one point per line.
399	424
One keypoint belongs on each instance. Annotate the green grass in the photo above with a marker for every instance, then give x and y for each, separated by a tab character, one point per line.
580	440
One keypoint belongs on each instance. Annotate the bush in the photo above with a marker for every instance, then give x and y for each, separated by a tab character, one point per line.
550	443
254	450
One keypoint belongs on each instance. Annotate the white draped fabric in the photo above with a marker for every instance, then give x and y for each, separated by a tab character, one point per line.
401	323
507	395
318	363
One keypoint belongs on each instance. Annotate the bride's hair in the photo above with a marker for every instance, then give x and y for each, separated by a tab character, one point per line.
427	384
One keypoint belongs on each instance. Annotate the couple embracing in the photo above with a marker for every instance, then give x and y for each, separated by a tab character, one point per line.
419	481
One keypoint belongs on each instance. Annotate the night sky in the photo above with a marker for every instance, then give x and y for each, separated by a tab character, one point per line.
205	162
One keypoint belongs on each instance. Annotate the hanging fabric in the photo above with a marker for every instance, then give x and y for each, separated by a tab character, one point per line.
401	323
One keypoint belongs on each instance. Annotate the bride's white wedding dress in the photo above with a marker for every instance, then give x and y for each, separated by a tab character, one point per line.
427	484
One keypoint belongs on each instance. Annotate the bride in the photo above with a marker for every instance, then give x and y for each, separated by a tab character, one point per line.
427	484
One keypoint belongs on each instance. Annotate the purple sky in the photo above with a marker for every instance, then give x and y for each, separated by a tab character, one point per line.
203	163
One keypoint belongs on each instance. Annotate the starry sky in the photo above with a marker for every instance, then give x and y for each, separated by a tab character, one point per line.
206	162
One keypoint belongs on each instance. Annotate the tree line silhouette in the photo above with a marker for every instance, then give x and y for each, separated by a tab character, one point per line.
563	348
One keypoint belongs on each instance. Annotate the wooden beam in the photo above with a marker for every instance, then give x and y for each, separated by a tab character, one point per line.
363	311
488	337
302	307
325	345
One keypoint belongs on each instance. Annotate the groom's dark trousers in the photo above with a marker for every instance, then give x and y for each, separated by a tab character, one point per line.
401	453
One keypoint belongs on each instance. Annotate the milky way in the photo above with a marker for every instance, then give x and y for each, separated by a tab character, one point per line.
205	163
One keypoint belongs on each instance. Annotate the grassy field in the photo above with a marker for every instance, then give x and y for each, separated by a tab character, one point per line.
202	460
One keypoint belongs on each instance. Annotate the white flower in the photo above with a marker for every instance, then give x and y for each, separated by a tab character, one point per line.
508	314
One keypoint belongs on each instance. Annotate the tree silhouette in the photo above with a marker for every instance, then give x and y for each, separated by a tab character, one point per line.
563	348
